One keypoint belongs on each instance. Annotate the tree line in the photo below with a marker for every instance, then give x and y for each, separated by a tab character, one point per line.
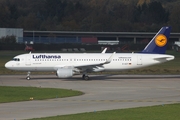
90	15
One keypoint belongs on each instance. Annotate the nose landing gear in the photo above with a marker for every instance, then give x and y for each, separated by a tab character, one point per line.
28	75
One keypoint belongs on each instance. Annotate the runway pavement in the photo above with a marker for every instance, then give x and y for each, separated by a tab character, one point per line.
102	92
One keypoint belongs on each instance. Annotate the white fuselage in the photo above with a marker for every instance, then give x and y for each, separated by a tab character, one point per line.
54	61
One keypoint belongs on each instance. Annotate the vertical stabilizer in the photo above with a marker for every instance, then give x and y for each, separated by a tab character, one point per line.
159	42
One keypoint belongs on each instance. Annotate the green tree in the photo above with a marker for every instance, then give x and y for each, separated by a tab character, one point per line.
4	15
150	15
157	13
8	39
175	18
30	22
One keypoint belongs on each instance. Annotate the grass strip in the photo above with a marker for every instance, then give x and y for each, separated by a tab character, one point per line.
161	112
16	94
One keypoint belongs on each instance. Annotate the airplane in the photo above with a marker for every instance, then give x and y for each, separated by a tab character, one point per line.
67	65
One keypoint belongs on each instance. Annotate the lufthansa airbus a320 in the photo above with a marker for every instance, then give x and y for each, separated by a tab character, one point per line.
68	64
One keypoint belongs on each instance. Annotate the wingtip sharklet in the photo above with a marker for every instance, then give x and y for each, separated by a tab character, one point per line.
110	58
104	51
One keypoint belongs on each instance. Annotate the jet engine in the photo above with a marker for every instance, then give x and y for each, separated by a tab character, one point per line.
64	72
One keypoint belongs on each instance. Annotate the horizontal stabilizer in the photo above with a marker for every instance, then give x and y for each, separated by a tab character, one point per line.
164	58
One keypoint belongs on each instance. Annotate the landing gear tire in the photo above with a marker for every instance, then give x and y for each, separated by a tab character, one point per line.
85	77
28	78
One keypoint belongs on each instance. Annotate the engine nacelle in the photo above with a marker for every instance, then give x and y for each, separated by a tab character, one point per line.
64	72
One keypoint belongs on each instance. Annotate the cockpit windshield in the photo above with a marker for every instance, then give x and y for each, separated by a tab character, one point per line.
15	59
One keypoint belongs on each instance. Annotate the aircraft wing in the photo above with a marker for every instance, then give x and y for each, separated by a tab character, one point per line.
86	65
96	64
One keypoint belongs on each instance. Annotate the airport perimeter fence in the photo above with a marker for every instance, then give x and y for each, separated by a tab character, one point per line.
69	47
69	44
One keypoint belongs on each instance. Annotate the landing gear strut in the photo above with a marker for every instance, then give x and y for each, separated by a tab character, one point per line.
28	75
85	77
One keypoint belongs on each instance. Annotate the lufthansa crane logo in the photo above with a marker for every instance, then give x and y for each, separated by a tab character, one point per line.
161	40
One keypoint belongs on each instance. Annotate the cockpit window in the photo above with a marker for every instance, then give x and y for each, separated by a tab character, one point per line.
16	59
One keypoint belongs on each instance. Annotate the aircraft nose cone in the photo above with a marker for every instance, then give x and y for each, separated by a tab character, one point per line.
7	65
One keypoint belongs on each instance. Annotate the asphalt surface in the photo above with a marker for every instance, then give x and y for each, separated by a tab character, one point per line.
102	92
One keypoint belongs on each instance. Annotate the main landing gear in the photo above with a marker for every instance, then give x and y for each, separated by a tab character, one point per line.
28	75
85	77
